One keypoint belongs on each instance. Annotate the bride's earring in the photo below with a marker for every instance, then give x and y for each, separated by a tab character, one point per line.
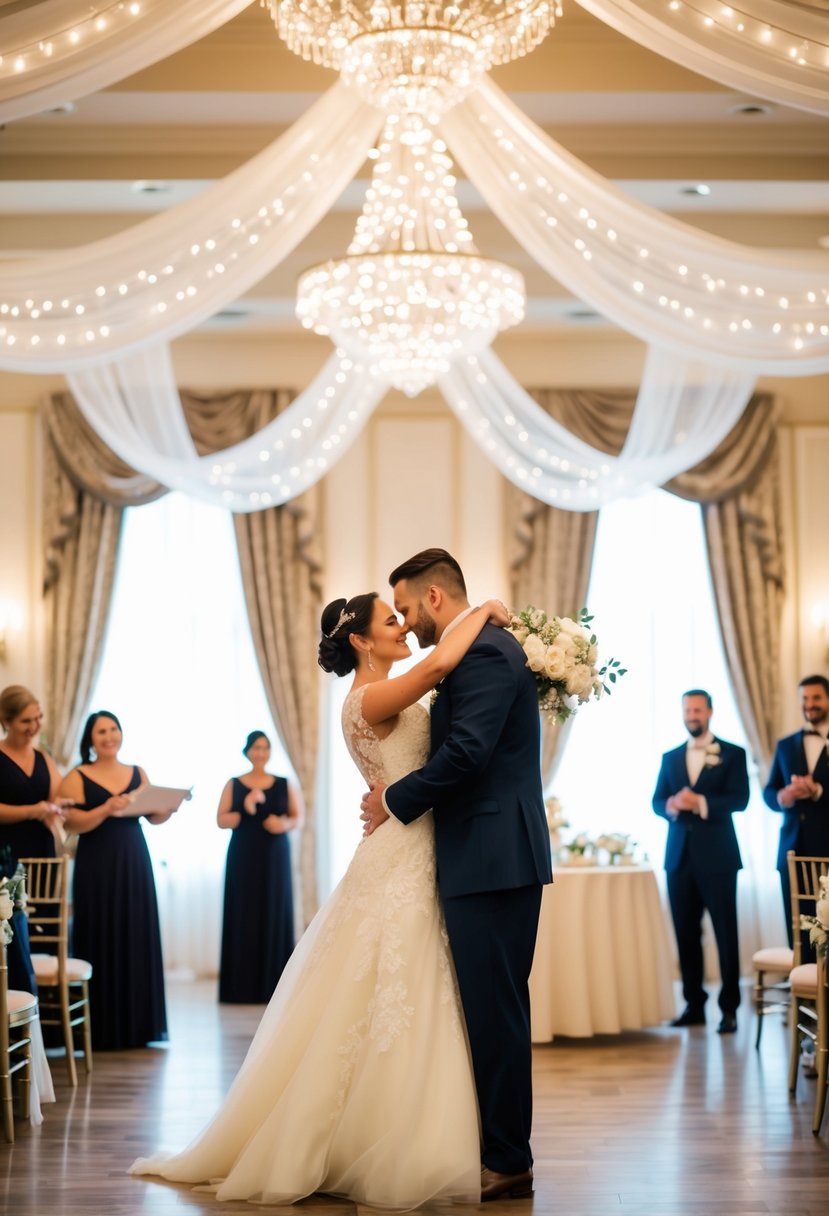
370	664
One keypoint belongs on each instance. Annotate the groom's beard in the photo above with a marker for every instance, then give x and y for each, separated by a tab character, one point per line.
425	629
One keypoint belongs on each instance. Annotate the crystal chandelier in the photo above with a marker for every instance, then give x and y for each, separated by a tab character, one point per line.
413	292
413	55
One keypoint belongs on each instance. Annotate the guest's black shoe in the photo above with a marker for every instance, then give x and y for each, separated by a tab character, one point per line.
728	1024
689	1017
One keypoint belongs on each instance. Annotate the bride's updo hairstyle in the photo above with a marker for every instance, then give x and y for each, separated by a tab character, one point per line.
338	620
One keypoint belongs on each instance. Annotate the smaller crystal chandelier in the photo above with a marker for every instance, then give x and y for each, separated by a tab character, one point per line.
413	55
413	292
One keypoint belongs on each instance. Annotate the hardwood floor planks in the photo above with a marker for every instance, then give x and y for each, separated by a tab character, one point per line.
658	1123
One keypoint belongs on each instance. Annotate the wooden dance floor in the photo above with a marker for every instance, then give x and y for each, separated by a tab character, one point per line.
658	1123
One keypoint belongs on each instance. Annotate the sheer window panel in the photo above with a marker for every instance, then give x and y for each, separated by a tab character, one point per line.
654	608
180	672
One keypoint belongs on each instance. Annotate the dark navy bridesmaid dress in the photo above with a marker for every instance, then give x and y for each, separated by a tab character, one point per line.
29	838
116	927
258	921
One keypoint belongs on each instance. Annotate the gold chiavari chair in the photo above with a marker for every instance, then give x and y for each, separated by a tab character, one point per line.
63	982
771	992
810	996
17	1010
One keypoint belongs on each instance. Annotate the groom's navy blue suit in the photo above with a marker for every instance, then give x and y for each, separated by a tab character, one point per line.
483	781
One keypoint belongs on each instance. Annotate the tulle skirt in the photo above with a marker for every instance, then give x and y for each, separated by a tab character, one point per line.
358	1082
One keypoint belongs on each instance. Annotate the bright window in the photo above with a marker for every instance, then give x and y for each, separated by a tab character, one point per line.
180	672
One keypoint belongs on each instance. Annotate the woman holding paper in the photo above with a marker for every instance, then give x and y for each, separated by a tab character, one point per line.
116	913
258	920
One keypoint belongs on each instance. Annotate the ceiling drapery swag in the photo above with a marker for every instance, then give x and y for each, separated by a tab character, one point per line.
766	48
683	411
670	284
135	407
166	274
59	50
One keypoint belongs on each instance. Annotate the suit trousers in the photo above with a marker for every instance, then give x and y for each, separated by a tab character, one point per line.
691	890
492	936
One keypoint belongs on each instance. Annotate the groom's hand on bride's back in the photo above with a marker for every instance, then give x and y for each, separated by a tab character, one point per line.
372	811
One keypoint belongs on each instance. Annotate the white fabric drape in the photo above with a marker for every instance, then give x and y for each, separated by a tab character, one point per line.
683	411
134	406
671	285
57	50
764	47
163	276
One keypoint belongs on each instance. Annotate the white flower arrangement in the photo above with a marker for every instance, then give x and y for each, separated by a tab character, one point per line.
611	848
712	755
562	655
12	898
818	925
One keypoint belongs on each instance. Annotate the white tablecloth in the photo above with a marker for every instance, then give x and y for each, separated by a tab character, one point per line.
602	959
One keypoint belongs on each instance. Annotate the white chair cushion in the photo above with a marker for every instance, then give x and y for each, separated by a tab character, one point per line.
21	1002
803	979
773	958
46	969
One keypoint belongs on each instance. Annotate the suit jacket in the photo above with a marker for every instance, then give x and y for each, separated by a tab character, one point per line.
483	777
710	843
805	826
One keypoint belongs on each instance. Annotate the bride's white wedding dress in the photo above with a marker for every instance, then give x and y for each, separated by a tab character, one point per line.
358	1081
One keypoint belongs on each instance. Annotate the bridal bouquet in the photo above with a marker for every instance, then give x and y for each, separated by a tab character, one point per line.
818	925
562	654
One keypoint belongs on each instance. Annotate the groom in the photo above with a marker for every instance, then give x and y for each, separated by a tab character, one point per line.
483	782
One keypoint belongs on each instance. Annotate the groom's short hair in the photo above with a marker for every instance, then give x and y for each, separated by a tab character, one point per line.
431	566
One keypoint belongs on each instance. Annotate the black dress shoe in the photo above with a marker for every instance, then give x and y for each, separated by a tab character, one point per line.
728	1024
689	1017
505	1186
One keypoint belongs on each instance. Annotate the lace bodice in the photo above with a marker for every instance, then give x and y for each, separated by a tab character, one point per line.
404	749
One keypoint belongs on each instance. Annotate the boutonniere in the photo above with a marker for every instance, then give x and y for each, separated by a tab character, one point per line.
434	694
712	755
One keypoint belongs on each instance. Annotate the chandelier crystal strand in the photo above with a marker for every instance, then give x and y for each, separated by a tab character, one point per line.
413	55
412	292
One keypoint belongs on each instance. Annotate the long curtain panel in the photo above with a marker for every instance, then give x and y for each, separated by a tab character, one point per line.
86	490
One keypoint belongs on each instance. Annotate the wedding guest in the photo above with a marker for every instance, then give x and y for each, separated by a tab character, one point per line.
258	923
701	784
116	925
31	813
798	785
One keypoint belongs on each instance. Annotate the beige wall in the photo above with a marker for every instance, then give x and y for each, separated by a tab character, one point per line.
414	478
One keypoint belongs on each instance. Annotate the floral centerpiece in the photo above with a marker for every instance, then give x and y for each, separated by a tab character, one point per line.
562	654
619	848
818	925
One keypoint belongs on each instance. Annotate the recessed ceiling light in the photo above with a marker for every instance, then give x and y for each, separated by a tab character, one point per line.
700	190
751	109
145	187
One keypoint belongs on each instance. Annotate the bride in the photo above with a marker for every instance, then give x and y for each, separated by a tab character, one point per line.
358	1082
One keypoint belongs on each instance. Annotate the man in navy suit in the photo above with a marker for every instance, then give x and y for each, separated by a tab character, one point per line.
483	782
798	784
701	784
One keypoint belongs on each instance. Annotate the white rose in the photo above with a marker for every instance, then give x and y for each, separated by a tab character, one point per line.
521	633
566	643
6	906
580	682
536	653
555	662
537	618
571	627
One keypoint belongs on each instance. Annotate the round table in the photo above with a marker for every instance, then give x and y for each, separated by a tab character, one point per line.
602	958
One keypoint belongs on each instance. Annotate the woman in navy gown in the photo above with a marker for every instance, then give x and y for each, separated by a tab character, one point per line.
31	813
115	909
258	921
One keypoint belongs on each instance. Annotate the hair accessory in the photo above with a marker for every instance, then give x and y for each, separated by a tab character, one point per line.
344	618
